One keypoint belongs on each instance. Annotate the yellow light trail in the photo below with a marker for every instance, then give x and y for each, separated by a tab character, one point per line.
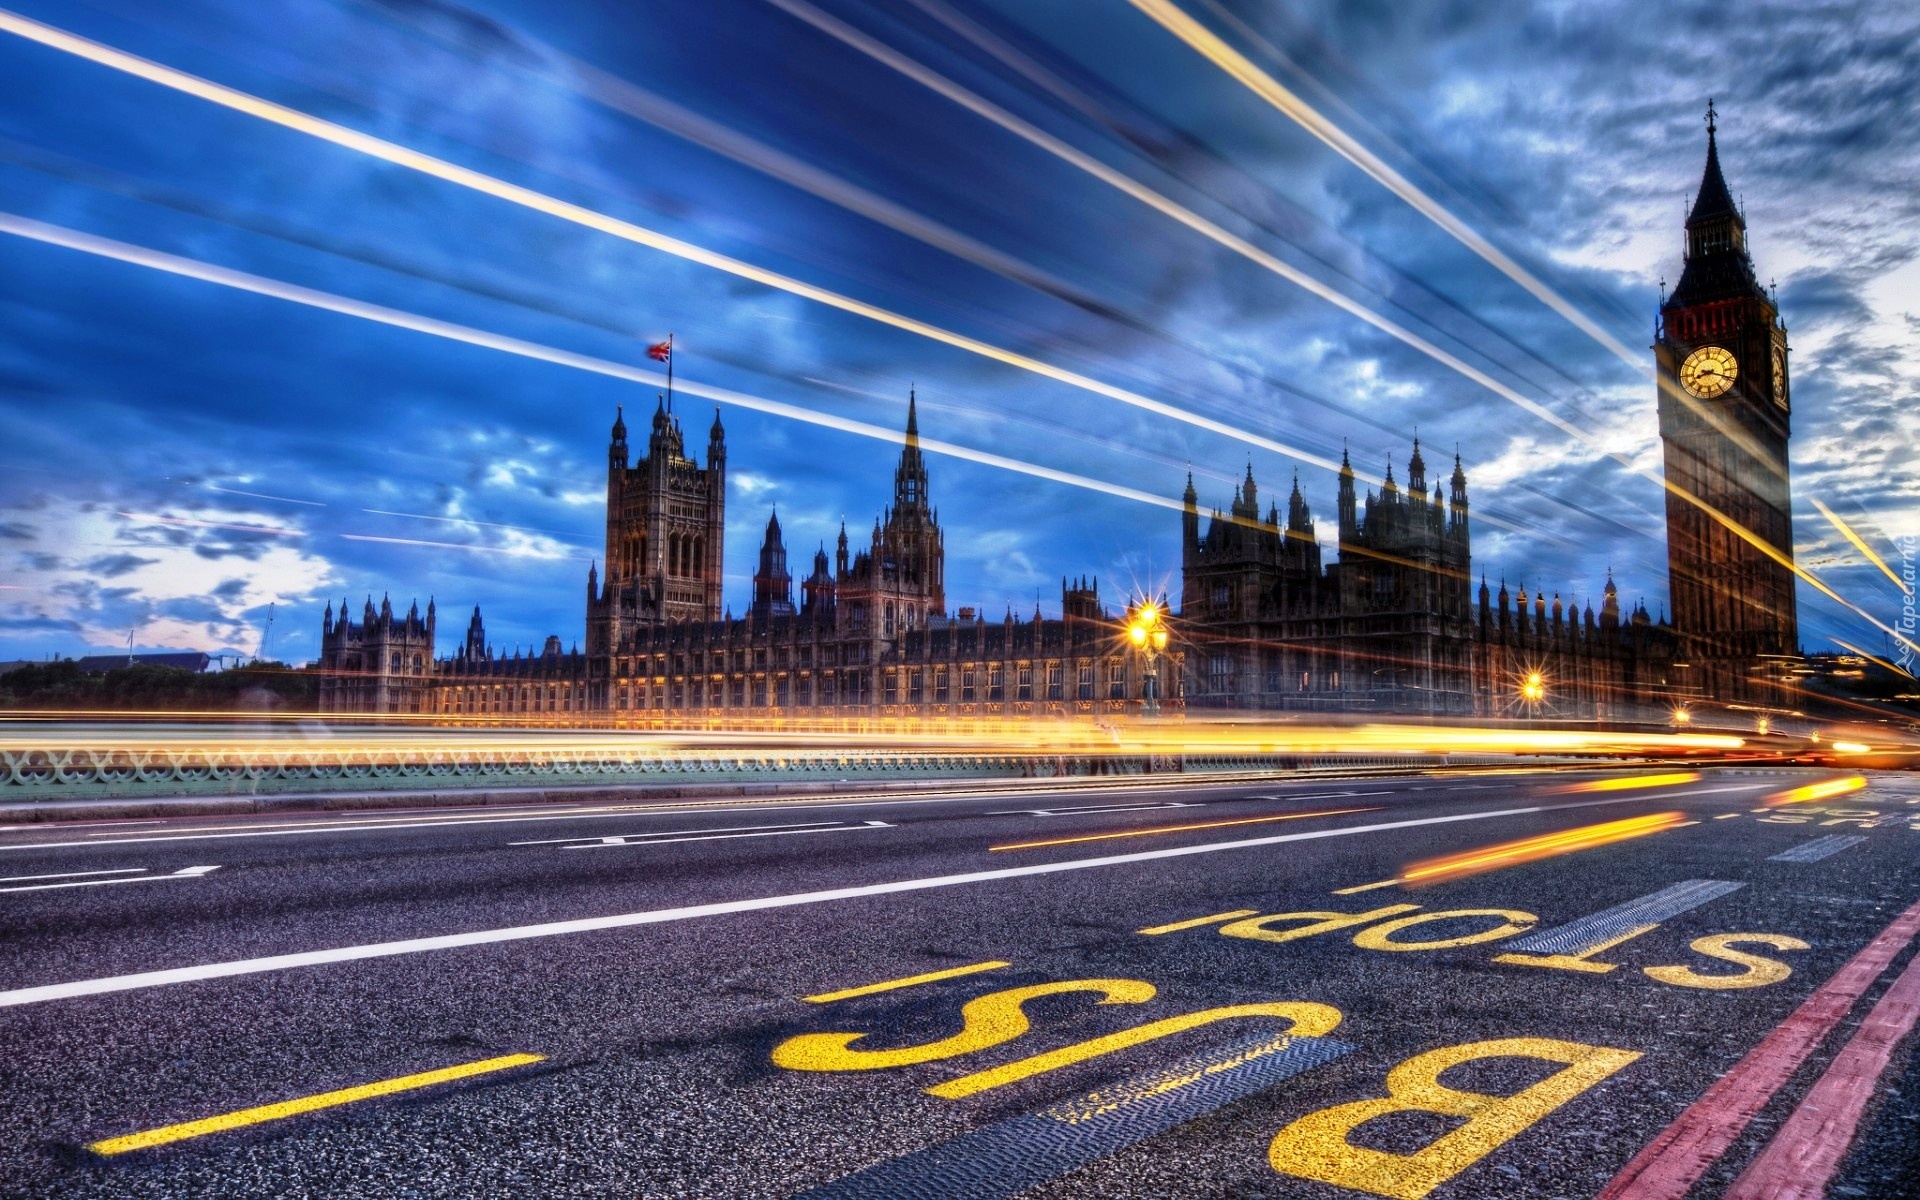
307	1104
1896	668
1860	544
1824	790
1533	849
935	82
171	264
1131	833
1628	783
398	155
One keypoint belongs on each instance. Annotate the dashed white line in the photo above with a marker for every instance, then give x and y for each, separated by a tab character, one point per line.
700	835
73	874
1098	808
182	873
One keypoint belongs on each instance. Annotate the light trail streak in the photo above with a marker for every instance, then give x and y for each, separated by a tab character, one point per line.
1533	849
508	551
1630	782
1824	790
1859	544
1158	830
383	512
379	148
1200	38
157	260
1896	668
841	31
263	496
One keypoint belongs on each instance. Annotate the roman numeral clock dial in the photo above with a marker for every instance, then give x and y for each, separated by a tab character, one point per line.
1708	371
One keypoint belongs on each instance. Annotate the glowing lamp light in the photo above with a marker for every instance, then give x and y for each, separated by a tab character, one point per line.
1681	716
1159	636
1533	687
1138	633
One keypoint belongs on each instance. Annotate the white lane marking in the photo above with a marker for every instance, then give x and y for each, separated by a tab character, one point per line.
679	832
73	874
1098	808
310	958
182	873
602	843
84	824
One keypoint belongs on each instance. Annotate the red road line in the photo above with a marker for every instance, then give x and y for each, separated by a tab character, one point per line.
1800	1160
1668	1167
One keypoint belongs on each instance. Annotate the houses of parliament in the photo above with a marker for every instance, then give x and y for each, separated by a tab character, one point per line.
1398	623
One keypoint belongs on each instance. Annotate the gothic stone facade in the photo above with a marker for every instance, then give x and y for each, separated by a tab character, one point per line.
1720	357
1390	627
1393	625
871	636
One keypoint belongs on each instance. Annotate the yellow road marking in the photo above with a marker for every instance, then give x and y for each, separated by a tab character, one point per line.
1366	887
289	1108
1576	962
1196	922
910	981
1127	833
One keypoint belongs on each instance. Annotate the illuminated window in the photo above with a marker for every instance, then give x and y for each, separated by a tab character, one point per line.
966	684
1086	681
940	685
1024	682
1116	679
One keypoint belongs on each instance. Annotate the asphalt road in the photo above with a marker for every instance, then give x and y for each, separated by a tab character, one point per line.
645	997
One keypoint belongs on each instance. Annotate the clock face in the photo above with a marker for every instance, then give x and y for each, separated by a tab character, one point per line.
1779	379
1708	371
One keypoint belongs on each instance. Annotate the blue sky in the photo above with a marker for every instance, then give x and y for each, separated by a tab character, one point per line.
178	455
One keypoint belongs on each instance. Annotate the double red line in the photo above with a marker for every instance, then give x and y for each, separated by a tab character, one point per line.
1803	1155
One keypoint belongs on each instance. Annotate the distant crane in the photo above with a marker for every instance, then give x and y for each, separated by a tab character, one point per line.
264	635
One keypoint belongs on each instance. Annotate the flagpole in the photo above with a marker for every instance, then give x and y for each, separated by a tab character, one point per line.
669	372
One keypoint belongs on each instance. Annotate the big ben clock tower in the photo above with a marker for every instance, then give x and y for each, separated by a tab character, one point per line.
1720	356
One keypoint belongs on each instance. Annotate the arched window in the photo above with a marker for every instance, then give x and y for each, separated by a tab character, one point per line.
396	660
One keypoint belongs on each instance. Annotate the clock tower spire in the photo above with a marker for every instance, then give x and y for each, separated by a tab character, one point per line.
1720	358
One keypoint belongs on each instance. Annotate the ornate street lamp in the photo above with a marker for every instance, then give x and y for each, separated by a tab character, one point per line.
1147	630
